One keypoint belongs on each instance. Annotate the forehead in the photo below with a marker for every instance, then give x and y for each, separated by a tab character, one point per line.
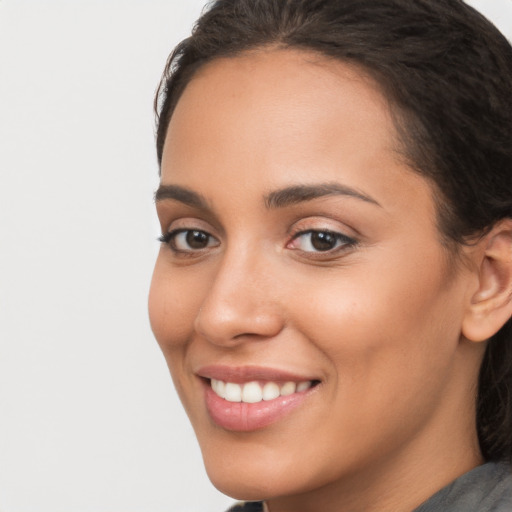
277	98
272	118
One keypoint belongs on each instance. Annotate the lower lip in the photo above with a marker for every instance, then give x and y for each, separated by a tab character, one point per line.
243	417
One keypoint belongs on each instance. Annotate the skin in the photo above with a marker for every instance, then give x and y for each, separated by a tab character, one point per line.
378	322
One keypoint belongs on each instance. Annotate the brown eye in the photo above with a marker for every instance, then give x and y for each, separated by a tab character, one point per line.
189	240
320	241
197	239
323	240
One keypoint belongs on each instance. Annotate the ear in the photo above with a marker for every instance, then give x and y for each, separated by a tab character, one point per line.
491	305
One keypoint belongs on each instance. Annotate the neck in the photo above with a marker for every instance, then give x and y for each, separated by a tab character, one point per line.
400	483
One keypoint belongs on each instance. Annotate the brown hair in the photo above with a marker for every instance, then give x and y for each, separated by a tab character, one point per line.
446	70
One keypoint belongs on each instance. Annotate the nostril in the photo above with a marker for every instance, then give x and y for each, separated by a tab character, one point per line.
234	323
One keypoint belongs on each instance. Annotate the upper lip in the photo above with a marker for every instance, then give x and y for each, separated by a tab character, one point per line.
241	374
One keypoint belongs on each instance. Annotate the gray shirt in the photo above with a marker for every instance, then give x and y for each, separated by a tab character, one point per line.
487	488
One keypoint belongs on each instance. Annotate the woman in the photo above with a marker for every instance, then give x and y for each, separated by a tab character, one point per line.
333	291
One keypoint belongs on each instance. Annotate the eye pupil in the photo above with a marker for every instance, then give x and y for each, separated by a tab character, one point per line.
197	239
323	241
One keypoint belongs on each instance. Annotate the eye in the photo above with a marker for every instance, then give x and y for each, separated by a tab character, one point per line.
188	240
320	241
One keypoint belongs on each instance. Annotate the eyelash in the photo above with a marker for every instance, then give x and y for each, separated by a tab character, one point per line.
169	238
341	242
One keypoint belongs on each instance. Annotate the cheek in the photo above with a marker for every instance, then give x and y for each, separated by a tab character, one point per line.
396	322
388	337
174	300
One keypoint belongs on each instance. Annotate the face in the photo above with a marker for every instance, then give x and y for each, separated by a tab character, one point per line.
301	297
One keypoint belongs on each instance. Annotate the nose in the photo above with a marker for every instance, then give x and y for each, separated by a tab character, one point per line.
241	304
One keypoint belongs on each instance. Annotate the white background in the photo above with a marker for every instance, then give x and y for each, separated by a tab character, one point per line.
88	417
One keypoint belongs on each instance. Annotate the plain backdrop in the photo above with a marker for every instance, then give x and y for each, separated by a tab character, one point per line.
89	420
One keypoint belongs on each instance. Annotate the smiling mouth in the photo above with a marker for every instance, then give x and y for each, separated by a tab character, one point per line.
248	398
257	391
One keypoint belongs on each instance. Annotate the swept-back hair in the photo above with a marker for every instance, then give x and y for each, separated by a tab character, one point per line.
447	74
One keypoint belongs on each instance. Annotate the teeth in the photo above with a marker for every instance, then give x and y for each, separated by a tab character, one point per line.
270	391
233	392
219	387
288	388
254	392
303	386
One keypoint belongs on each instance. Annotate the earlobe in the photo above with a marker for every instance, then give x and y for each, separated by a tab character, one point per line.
491	305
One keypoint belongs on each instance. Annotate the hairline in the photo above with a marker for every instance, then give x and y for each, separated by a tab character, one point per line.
404	145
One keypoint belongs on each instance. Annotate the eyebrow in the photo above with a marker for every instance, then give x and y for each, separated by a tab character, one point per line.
299	193
281	198
181	194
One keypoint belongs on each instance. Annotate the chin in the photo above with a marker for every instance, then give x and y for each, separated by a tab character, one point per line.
242	491
260	472
250	474
241	477
249	487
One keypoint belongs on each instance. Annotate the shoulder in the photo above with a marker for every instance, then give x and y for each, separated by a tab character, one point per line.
250	506
487	488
